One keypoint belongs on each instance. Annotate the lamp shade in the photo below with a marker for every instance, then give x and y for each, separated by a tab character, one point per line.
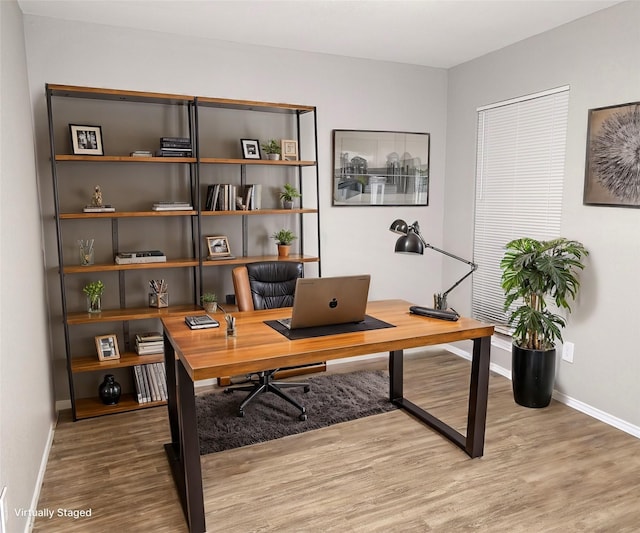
399	226
409	244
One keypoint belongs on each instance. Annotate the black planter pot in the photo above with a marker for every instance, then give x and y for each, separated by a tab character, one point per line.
532	376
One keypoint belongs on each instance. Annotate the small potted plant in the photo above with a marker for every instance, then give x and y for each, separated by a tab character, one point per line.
94	292
209	302
272	149
288	194
284	238
533	271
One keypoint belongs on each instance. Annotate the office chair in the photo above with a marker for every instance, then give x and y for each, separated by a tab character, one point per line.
267	285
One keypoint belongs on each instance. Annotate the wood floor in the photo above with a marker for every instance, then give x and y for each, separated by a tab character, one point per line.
546	470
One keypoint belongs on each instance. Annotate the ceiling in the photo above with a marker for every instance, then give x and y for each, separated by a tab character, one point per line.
435	33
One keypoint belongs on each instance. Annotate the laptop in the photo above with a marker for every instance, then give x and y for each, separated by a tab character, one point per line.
328	301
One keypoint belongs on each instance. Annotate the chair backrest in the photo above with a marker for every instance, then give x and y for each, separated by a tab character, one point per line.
266	284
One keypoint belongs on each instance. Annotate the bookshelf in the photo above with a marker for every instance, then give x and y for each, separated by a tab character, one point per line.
136	120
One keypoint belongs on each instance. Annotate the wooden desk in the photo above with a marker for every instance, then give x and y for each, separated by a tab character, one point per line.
195	355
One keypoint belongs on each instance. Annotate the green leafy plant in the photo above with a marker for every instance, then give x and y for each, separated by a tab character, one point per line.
209	297
533	271
284	236
271	147
289	192
94	290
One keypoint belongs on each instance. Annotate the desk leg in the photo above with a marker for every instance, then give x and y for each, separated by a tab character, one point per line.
478	396
183	452
396	375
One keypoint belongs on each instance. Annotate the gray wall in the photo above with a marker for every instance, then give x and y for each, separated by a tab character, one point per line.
597	57
26	391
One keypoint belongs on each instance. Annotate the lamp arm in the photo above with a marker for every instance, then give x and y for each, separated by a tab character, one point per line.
473	266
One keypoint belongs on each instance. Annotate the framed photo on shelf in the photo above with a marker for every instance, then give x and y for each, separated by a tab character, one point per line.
612	173
250	148
289	150
218	247
86	140
107	346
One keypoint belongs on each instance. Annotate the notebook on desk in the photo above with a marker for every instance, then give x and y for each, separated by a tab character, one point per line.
328	301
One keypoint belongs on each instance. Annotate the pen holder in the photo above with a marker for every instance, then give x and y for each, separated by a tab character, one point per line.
158	299
231	325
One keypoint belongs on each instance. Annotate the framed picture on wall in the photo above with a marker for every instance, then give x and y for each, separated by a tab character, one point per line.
612	170
107	346
250	148
86	140
373	168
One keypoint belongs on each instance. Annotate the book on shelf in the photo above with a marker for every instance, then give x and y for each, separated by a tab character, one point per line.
201	322
175	140
149	336
141	153
221	197
137	379
220	257
172	206
174	152
148	256
98	209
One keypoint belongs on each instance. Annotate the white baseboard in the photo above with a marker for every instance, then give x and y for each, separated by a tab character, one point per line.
608	419
43	468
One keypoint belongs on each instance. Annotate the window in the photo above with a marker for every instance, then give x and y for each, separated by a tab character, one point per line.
519	180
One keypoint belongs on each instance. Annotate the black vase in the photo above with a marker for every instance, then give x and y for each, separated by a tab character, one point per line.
533	374
110	390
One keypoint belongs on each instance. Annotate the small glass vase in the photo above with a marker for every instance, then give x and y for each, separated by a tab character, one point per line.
93	304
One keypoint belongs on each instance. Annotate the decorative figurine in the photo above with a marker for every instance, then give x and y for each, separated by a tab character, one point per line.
96	199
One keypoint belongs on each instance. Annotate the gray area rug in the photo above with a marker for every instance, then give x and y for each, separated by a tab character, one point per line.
332	399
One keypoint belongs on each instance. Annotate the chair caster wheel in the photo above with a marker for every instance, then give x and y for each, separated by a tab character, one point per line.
303	416
307	388
241	414
228	391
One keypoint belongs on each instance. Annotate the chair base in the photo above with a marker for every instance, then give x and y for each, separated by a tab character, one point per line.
266	384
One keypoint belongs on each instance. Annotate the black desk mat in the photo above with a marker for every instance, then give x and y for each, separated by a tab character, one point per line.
369	323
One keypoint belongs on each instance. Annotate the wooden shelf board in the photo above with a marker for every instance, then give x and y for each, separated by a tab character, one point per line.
255	259
259	212
249	105
127	359
90	407
127	214
123	159
116	94
112	267
133	313
231	161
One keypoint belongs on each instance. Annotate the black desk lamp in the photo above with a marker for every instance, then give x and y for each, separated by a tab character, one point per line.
412	242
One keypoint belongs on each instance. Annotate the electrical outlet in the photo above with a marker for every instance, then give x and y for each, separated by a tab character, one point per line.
567	352
3	510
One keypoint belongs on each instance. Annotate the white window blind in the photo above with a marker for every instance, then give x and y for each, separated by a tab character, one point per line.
519	179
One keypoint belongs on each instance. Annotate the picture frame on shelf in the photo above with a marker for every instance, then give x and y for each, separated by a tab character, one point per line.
107	347
611	173
86	140
250	148
218	247
289	150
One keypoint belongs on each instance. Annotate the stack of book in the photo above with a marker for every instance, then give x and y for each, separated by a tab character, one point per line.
148	256
98	209
175	147
172	206
149	343
151	382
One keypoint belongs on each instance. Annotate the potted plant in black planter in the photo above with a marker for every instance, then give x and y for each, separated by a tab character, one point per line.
533	271
288	194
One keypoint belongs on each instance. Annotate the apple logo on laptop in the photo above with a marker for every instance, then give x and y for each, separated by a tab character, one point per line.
333	303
